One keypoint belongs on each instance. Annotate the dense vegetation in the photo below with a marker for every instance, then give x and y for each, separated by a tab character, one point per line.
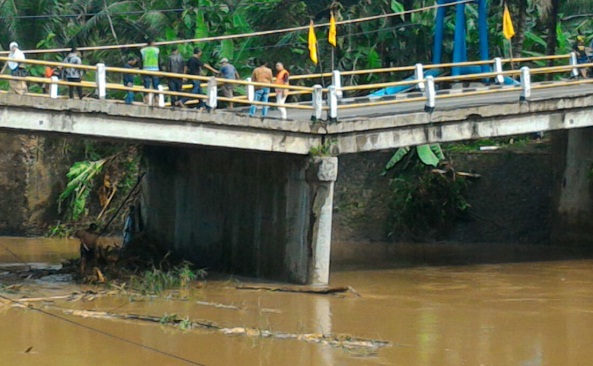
391	41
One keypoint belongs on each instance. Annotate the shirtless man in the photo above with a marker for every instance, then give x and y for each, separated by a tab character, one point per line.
88	243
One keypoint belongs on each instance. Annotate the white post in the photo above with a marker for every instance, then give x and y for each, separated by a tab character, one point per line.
332	100
574	62
498	70
53	87
250	91
317	102
430	95
212	93
161	97
101	80
525	83
337	82
419	75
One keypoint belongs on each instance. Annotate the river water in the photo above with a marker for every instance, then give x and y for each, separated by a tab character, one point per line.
531	313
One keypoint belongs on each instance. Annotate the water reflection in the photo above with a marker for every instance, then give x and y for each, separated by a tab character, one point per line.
537	313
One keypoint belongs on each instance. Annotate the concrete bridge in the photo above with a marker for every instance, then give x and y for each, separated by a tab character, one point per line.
247	195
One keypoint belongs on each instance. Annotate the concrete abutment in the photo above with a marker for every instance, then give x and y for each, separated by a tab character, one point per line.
264	215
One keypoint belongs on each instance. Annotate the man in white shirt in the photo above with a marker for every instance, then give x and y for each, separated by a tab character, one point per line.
16	69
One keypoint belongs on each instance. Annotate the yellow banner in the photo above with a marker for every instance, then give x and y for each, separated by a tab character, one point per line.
331	37
507	24
312	44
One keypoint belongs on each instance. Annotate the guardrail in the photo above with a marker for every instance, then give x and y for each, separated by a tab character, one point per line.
323	99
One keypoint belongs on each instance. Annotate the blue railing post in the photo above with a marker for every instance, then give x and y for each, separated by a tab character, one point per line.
525	84
419	75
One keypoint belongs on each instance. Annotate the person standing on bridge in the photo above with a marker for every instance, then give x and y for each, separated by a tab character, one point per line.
176	65
261	74
281	94
194	67
150	62
72	74
129	78
228	72
579	48
16	69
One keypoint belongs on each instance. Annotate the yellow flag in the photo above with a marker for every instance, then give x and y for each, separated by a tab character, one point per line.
331	37
507	24
312	44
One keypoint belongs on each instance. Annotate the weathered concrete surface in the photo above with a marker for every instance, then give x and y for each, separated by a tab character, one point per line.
32	175
493	120
243	212
573	198
560	108
104	119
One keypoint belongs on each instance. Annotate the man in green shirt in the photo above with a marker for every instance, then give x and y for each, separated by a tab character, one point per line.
150	62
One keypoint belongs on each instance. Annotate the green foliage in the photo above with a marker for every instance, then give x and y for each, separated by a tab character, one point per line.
58	231
80	183
157	280
425	206
323	150
428	155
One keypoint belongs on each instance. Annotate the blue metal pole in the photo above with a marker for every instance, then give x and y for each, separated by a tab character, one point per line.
437	54
483	32
459	44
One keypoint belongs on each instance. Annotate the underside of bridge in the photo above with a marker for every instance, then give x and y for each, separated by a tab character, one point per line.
255	214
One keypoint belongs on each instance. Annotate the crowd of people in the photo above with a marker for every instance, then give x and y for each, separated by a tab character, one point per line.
150	60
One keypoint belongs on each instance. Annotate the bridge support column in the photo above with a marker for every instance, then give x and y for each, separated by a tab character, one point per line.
498	70
337	82
256	214
322	175
525	84
53	87
317	102
572	154
574	62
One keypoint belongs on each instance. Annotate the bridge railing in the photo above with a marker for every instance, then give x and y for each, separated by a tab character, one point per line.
104	75
326	99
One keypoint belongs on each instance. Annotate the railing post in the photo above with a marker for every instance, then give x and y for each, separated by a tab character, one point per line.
419	75
574	62
53	87
430	95
332	101
212	93
337	82
317	102
498	70
250	91
161	100
101	80
525	84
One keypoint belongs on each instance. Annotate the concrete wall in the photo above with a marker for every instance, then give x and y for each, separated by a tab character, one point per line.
573	177
242	212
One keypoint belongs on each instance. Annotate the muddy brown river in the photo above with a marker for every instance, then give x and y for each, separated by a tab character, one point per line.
531	313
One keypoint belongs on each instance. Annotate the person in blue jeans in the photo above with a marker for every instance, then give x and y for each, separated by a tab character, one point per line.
261	74
194	66
129	78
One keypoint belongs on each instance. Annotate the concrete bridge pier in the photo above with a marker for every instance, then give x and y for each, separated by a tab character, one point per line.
257	214
572	151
